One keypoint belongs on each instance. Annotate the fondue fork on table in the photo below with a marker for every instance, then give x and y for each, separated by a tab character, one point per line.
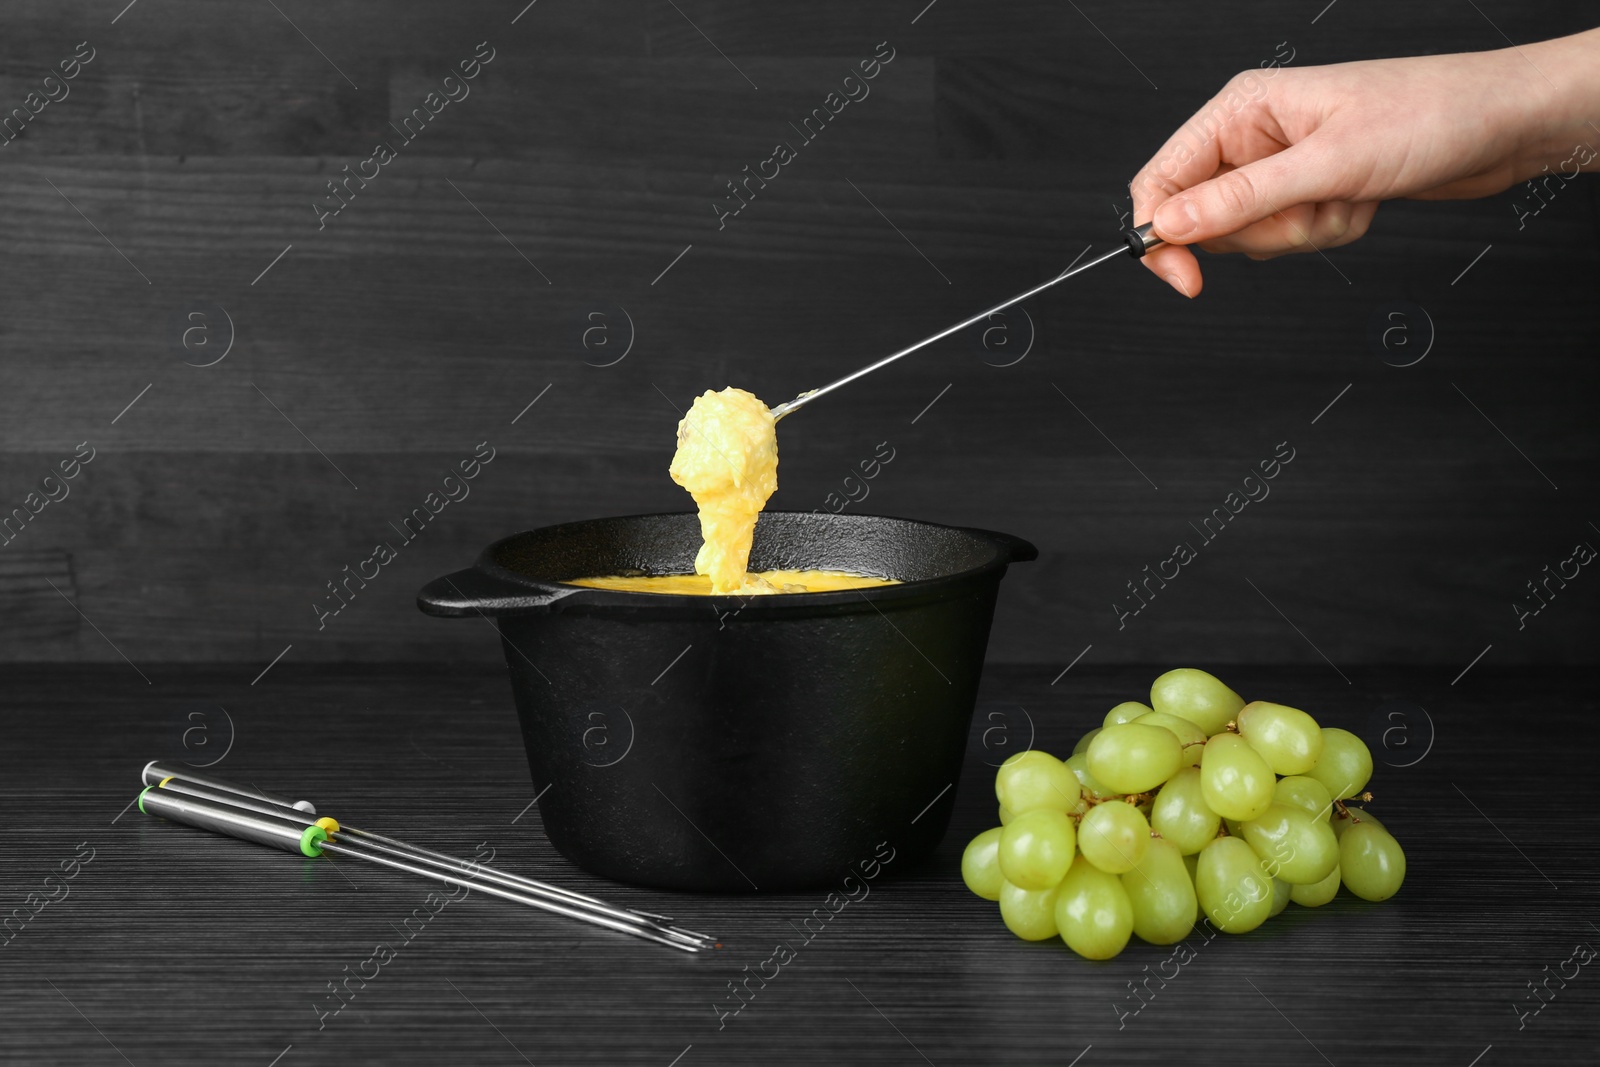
254	815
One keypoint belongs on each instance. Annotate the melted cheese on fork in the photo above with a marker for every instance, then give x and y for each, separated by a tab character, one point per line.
727	459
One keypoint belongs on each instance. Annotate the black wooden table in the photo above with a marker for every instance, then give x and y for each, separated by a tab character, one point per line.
152	943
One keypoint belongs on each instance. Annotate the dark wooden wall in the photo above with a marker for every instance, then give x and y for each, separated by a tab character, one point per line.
998	141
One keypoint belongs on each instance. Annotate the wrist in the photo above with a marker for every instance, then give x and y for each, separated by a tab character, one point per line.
1562	118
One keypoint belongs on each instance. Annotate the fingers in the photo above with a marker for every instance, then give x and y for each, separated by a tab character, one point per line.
1196	149
1301	174
1230	128
1230	180
1191	155
1303	228
1176	266
1306	228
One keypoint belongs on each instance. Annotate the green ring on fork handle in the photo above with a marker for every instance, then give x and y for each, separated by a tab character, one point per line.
311	840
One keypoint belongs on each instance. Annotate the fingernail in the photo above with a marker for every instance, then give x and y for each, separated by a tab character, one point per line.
1177	283
1177	217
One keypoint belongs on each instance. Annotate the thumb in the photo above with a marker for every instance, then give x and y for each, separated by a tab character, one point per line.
1300	174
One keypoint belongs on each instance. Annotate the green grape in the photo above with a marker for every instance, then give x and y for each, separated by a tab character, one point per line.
1085	741
1093	913
1280	896
1345	765
1127	711
1287	738
1197	696
1341	824
1035	779
1078	763
1237	782
1371	862
1030	914
1318	893
1293	844
1307	794
1234	827
1036	848
1191	863
1113	836
980	865
1005	815
1232	889
1190	736
1180	813
1132	757
1162	895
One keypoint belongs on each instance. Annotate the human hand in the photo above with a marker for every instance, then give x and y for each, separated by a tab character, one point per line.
1297	159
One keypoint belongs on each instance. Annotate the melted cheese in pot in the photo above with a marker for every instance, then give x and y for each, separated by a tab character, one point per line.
755	583
727	459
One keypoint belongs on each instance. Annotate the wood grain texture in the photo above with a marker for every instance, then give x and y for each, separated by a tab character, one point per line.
179	947
459	283
35	586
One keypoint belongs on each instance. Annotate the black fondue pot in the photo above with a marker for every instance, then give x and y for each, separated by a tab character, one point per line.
741	743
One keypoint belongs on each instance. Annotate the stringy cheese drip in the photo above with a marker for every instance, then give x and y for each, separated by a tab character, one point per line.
727	459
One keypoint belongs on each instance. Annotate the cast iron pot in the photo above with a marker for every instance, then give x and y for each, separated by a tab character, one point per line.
741	743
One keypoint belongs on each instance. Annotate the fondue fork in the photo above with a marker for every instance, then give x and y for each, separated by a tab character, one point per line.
157	773
1136	242
213	804
314	840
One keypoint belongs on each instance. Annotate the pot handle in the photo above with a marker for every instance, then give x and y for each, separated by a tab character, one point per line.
473	592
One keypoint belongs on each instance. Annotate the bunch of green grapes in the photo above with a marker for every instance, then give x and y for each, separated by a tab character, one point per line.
1195	803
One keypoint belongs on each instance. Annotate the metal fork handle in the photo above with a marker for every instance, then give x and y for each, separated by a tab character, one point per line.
1138	241
1141	240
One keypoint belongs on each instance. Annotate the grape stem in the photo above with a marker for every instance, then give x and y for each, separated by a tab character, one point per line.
1344	812
1091	800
